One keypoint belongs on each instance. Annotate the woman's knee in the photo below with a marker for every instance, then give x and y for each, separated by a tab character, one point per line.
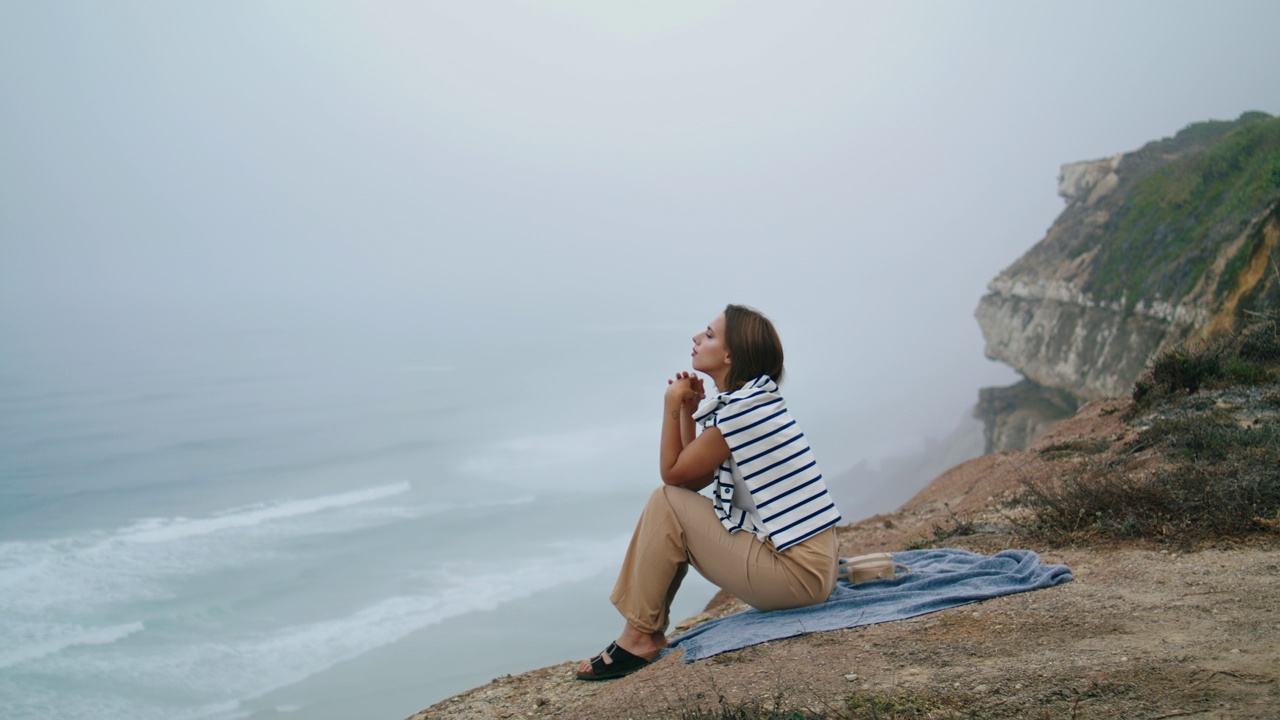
661	509
659	496
670	495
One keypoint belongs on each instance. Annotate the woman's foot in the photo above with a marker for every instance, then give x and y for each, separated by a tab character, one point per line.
632	650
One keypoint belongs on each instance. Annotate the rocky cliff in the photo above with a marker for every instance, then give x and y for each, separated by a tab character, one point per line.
1173	241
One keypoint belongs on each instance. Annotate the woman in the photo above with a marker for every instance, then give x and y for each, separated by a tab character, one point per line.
766	533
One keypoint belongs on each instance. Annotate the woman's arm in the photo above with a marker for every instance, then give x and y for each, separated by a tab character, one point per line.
688	429
689	462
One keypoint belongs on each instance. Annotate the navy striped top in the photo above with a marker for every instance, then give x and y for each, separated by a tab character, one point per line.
775	463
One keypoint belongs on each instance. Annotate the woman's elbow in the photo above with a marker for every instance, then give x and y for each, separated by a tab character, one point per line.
671	477
694	483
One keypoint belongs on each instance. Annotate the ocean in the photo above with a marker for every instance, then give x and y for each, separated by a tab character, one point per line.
315	522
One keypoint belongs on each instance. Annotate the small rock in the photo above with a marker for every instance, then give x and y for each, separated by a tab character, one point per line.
980	689
851	677
1235	651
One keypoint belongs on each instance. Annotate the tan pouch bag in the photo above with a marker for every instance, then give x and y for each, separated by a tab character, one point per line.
875	566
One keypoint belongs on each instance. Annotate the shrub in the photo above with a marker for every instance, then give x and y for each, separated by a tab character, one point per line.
1225	480
1250	358
1221	475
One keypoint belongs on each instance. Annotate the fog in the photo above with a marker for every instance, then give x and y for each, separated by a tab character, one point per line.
527	175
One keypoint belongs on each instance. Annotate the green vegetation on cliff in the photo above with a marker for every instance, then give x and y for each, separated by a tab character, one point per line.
1175	220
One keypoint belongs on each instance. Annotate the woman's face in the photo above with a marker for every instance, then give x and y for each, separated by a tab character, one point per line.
710	354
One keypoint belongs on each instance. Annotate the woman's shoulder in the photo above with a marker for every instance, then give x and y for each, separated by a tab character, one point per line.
762	390
763	385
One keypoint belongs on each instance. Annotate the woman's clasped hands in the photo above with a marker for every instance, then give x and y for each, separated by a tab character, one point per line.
686	388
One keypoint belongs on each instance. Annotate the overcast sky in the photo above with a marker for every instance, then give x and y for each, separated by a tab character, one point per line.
857	170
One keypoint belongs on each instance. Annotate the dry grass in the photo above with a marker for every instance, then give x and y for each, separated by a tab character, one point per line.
1212	414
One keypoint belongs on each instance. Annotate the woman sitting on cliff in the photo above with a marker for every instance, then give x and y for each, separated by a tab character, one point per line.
764	535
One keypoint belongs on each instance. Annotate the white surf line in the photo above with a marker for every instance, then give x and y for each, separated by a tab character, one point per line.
166	530
13	653
96	568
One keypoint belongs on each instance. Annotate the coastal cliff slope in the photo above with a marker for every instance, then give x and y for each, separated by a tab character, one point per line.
1145	629
1162	248
1173	241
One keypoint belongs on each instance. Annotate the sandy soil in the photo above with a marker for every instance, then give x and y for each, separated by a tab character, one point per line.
1142	632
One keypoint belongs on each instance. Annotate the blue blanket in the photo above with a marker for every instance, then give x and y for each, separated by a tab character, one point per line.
938	579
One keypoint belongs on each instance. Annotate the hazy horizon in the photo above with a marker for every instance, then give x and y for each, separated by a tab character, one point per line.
858	171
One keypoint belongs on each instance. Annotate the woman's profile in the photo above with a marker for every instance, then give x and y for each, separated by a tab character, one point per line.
765	534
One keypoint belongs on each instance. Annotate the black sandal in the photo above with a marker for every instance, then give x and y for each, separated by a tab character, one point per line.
615	662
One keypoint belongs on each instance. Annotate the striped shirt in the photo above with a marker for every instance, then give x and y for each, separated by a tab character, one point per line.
775	463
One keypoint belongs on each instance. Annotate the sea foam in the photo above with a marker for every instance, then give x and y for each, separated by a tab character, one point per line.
232	669
153	531
24	642
78	573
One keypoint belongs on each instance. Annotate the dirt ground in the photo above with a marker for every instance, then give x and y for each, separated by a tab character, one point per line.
1142	632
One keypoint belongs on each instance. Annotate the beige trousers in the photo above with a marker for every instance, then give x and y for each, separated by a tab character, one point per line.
679	527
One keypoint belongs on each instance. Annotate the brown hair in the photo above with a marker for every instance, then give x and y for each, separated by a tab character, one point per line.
754	346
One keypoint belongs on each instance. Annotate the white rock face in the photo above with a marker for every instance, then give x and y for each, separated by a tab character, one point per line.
1089	180
1039	320
1058	337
